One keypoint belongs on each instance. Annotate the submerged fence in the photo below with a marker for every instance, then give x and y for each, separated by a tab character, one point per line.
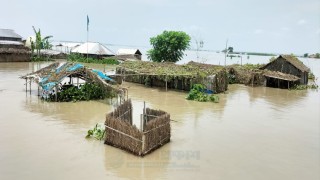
154	132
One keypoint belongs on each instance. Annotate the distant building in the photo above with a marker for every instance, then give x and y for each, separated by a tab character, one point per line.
94	50
285	71
12	48
129	53
65	47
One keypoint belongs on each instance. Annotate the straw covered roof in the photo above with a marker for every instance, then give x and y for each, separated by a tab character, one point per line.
153	68
14	51
280	75
292	60
50	76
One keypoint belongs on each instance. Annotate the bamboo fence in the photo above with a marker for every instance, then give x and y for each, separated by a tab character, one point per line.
121	133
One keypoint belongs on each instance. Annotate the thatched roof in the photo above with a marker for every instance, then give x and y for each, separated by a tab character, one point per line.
167	68
280	75
292	60
14	51
295	62
54	74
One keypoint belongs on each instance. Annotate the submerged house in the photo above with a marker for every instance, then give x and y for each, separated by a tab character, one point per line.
285	71
93	50
12	48
174	76
129	54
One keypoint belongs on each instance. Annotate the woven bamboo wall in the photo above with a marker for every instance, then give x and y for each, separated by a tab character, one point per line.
122	134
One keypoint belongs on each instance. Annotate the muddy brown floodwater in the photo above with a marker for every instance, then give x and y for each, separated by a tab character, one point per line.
252	134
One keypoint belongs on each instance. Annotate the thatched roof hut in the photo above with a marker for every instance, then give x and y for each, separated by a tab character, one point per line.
51	77
285	71
175	76
129	54
12	48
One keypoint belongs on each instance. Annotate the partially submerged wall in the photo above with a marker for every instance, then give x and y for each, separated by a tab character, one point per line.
122	134
173	76
14	53
241	75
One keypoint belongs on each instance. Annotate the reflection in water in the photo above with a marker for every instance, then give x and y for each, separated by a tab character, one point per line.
253	133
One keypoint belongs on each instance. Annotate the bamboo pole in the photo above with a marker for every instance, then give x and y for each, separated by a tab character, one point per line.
166	84
30	85
56	95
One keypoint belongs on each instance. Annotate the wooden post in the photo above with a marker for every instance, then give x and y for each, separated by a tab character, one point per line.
38	90
252	77
30	85
166	84
141	122
144	114
26	85
77	81
143	142
56	95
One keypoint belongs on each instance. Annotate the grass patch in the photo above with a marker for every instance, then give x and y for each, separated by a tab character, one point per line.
74	57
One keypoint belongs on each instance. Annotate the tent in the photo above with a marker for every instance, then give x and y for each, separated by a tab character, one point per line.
95	50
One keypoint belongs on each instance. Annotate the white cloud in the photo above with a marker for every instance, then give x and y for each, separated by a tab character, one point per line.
301	22
285	29
258	31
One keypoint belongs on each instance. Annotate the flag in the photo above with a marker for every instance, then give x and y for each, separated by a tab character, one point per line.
87	23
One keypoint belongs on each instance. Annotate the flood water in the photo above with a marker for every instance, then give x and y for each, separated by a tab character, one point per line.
251	134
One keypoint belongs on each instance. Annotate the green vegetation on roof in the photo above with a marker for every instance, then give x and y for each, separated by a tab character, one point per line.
191	69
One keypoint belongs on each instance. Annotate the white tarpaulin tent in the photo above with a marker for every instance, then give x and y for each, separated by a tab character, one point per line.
93	49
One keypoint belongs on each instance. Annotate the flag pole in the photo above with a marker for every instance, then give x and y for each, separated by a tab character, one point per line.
87	37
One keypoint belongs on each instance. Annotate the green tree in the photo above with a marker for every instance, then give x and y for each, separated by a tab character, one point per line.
305	55
168	46
41	43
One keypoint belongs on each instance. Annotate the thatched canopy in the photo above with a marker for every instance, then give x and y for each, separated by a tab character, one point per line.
14	51
280	75
292	60
54	74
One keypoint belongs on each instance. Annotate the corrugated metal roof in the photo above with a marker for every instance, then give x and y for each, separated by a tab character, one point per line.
128	51
92	48
9	33
11	42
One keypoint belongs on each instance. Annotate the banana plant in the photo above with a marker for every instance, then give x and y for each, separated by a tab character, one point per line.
41	43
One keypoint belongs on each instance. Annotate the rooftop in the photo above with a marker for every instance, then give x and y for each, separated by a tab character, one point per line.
9	33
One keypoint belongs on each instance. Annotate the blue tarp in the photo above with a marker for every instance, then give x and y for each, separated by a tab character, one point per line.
61	67
208	91
102	75
75	67
44	80
48	86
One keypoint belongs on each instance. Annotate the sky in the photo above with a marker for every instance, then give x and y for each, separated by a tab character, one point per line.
275	26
